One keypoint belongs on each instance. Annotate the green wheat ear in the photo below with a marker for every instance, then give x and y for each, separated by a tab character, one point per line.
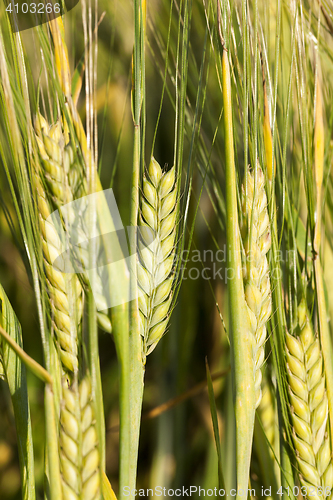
257	242
159	214
309	406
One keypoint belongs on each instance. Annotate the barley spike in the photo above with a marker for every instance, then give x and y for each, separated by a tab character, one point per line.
257	241
58	283
309	406
79	456
159	214
62	174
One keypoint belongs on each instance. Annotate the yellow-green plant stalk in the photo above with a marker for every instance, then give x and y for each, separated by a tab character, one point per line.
241	336
159	213
79	454
257	241
319	162
64	181
309	408
325	337
268	139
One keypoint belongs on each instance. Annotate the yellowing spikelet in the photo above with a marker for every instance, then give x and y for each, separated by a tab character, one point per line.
159	216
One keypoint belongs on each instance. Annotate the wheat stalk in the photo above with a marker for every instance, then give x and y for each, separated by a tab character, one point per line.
309	405
257	241
62	174
79	456
159	213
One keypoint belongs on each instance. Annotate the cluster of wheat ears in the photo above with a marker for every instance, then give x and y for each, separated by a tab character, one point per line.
54	163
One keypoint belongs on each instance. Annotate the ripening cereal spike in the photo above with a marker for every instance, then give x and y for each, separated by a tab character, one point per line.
256	277
66	324
62	174
154	268
308	404
79	456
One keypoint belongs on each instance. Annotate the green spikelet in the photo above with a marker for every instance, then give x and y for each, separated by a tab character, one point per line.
159	213
309	406
257	241
79	456
63	178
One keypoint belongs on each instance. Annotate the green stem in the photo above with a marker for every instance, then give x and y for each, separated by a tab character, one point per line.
135	342
52	446
119	318
119	297
136	391
135	374
241	341
96	379
35	367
